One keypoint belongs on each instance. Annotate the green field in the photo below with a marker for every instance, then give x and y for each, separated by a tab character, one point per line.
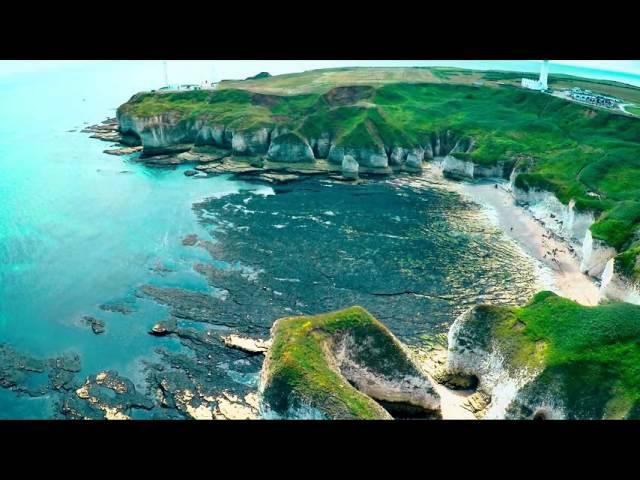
634	110
591	355
577	152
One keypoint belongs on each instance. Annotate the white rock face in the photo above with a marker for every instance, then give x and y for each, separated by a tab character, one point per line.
451	164
167	130
210	135
561	219
468	356
615	287
349	167
413	162
595	255
397	156
250	345
596	258
428	151
366	157
463	168
290	148
250	143
321	145
407	388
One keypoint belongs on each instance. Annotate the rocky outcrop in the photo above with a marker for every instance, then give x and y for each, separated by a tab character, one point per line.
550	359
339	366
290	147
372	157
349	167
321	145
476	353
171	133
457	168
595	255
211	135
563	220
96	324
250	142
249	345
413	162
616	285
597	259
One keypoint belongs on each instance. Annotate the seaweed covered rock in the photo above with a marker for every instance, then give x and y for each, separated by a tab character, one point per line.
339	365
551	359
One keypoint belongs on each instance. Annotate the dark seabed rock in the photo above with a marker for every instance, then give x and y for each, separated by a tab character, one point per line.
96	324
117	308
190	240
415	257
104	395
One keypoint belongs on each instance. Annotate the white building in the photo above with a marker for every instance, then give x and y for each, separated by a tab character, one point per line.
541	83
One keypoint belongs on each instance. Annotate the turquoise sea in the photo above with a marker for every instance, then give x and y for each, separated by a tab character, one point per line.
79	228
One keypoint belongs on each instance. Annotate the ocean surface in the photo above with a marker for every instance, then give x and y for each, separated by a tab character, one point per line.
80	229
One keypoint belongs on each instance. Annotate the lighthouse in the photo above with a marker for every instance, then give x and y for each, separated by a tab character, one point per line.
544	74
540	84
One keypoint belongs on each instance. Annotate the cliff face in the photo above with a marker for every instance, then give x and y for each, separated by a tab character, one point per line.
169	133
551	359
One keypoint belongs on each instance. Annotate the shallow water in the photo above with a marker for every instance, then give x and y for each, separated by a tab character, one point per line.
79	229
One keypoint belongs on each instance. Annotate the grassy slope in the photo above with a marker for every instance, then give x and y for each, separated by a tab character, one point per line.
593	351
635	110
299	368
575	149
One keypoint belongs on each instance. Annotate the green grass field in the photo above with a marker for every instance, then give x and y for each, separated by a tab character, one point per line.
634	110
572	150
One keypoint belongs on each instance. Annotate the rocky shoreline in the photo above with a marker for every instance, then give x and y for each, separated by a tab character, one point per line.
272	169
277	156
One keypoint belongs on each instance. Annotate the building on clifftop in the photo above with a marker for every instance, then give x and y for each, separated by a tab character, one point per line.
540	84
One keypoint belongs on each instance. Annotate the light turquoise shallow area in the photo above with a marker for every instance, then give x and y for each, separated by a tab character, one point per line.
76	232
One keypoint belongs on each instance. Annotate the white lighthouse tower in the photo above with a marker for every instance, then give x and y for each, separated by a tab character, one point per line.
540	84
544	74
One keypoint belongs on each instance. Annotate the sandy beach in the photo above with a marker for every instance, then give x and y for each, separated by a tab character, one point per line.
560	270
557	266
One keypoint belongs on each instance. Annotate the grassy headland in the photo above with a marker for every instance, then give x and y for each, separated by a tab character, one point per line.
577	152
592	354
301	370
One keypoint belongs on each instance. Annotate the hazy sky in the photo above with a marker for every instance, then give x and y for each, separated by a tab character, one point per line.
192	70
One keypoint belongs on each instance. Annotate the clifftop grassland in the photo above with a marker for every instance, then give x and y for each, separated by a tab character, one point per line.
577	152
